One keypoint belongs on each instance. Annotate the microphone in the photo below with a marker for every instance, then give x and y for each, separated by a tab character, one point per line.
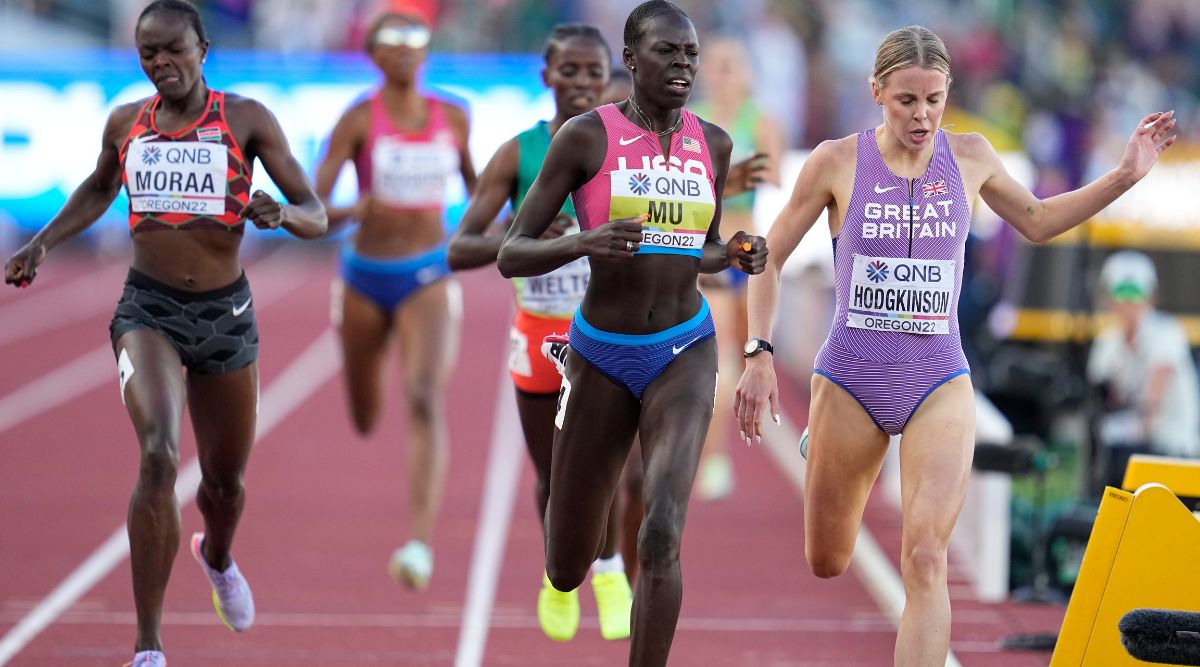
1162	635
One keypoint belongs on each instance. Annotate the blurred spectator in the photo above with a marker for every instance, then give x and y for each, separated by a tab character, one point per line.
1142	367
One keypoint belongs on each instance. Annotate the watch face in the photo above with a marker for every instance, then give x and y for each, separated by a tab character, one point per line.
751	346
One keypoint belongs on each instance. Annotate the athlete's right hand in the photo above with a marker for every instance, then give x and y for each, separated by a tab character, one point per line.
616	240
21	268
757	396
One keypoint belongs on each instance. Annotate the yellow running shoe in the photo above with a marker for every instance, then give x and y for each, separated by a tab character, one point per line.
558	612
614	603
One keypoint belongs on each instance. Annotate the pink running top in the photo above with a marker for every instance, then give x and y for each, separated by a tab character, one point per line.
899	258
407	170
676	189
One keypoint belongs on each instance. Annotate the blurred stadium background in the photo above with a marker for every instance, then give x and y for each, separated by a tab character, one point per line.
1056	85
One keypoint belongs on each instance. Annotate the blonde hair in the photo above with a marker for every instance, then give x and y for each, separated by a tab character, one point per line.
912	46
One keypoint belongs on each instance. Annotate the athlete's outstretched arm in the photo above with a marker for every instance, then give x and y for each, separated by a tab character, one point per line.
344	143
471	246
1041	220
757	391
304	216
83	207
576	153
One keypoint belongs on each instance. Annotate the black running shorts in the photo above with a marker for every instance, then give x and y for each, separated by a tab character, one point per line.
213	331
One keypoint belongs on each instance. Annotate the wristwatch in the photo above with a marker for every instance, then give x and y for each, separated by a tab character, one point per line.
756	345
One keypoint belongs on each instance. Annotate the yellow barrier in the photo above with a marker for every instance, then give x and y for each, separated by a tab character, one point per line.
1181	476
1143	552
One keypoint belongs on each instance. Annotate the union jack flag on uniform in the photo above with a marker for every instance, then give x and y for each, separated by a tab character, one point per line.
935	188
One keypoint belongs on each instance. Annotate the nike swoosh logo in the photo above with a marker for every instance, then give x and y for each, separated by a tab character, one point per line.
676	350
879	190
238	310
626	142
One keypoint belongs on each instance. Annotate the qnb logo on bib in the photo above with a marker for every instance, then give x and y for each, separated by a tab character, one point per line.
177	177
679	205
412	173
901	294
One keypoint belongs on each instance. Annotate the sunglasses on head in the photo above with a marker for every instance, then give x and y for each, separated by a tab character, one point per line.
412	36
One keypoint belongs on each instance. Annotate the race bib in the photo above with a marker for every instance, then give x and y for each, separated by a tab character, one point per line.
176	177
412	174
901	294
556	294
680	206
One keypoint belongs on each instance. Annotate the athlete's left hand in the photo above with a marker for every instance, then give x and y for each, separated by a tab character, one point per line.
747	253
263	211
1149	140
746	174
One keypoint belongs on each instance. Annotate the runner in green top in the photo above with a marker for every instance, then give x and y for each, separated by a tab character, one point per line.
727	87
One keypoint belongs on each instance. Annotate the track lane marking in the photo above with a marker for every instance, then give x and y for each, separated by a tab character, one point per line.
870	563
314	366
92	369
495	514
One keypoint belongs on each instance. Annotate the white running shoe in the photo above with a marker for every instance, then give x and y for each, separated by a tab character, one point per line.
554	348
148	659
412	564
231	593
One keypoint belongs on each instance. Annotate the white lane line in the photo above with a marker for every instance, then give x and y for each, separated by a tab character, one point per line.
871	564
500	620
311	370
63	384
92	369
73	302
495	513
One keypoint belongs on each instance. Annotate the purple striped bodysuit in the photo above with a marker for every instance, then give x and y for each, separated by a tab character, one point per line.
898	260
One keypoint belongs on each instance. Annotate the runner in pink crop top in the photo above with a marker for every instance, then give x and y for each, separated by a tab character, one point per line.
408	169
646	178
674	187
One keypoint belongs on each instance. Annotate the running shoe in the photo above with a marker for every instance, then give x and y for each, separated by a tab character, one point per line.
231	594
716	477
804	444
554	348
412	565
148	659
614	603
558	612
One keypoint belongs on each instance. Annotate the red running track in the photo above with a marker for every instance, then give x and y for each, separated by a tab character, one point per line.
325	510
